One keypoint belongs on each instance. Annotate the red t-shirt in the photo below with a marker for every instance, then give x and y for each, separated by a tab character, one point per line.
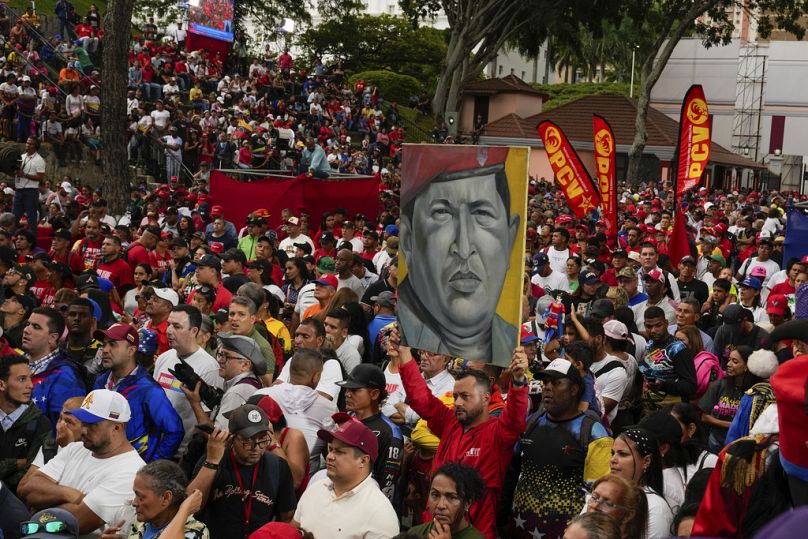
159	262
783	288
42	290
161	330
137	254
88	255
222	301
118	272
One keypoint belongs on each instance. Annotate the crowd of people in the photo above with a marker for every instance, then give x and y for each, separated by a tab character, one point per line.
170	373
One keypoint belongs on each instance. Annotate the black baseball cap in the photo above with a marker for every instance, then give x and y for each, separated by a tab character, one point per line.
365	375
86	281
64	234
210	261
179	242
235	254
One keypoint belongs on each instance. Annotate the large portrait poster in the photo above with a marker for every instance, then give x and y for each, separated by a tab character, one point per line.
462	244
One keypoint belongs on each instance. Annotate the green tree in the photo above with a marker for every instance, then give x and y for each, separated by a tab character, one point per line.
385	42
659	25
479	29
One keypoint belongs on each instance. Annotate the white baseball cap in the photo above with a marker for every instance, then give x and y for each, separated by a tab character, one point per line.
168	295
617	330
103	405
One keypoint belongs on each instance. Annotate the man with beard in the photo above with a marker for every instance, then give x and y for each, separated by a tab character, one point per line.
88	249
155	428
23	428
93	478
111	266
364	393
234	504
561	448
467	433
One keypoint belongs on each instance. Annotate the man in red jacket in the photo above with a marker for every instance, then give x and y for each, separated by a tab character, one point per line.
468	435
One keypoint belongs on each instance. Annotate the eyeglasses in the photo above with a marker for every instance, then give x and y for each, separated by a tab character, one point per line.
54	526
596	500
221	356
253	444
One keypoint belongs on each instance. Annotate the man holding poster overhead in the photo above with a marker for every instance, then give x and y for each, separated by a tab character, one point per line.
460	225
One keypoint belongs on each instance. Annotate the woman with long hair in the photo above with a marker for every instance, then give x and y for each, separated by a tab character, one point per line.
623	501
358	330
186	227
133	303
636	458
721	401
297	276
691	455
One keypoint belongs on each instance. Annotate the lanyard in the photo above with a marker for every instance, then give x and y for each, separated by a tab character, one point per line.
246	499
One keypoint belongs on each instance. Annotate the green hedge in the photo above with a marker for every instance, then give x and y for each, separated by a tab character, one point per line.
392	86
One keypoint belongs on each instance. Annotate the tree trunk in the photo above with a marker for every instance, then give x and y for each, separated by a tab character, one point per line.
453	95
117	27
454	59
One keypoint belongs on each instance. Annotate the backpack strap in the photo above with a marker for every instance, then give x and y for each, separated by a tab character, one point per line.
252	381
587	424
610	366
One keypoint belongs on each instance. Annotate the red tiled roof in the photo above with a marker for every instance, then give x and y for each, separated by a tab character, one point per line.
575	119
511	83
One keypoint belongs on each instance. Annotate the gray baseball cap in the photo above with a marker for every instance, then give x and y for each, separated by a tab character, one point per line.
247	347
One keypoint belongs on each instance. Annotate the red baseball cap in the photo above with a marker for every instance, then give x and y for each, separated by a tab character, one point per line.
118	332
656	275
563	219
216	210
352	432
275	530
777	304
328	280
217	247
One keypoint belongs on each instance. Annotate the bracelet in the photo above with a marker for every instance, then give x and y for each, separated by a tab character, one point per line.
521	383
211	465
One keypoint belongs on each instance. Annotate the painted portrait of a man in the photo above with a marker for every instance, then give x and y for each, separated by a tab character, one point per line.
461	224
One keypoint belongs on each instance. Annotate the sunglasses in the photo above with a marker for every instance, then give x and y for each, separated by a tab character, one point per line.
54	526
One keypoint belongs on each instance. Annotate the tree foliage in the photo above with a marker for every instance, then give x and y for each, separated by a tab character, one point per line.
479	29
392	86
652	29
384	42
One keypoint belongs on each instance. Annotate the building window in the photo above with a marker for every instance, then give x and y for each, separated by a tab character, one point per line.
523	75
500	70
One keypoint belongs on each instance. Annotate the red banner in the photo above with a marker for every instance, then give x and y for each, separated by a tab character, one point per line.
310	195
575	181
694	140
605	170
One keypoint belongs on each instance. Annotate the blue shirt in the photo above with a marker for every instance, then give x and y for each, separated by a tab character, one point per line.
8	420
316	159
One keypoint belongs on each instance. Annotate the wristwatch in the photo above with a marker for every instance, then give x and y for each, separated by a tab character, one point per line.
211	465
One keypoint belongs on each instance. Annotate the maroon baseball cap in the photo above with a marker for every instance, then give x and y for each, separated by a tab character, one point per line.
118	332
352	432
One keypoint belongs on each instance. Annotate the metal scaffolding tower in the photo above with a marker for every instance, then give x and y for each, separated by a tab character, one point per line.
749	101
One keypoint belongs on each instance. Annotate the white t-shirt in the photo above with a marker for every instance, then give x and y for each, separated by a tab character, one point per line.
161	118
106	483
395	392
204	365
558	259
554	281
770	266
332	373
611	384
348	356
660	516
288	244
